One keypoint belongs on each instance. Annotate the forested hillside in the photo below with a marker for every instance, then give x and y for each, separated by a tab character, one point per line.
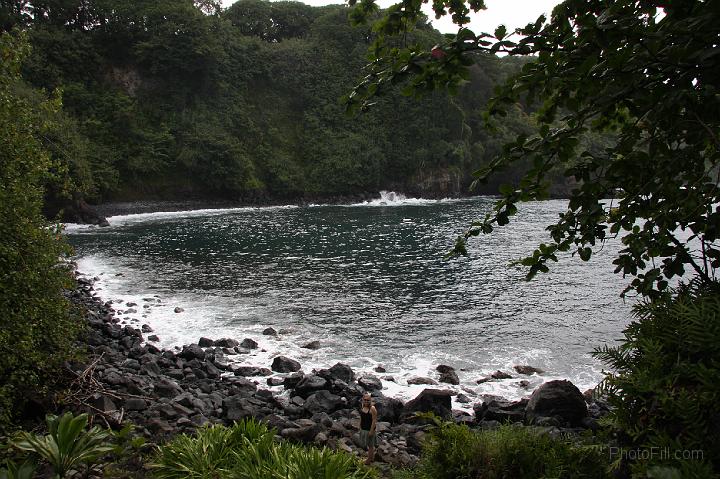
168	99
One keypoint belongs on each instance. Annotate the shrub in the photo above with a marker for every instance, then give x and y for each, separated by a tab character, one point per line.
249	449
67	446
454	451
299	462
25	470
666	386
36	328
208	454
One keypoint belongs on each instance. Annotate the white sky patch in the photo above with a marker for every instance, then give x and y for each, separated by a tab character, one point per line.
511	13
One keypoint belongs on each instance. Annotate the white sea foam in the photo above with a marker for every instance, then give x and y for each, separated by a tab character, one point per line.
124	220
386	199
391	198
173	215
77	228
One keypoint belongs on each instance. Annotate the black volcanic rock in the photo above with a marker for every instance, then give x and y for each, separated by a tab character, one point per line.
281	364
436	401
560	399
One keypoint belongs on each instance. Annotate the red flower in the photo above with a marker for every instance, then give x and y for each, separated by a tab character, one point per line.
437	53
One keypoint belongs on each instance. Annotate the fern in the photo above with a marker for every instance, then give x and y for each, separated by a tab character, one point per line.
665	383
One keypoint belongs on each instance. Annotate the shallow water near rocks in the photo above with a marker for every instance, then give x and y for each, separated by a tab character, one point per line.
370	283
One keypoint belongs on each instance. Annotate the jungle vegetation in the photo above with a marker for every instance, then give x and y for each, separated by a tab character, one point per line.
176	99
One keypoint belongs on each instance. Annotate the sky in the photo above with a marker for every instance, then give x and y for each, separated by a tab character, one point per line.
511	13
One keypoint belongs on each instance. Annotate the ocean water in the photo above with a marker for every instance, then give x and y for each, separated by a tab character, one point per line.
370	282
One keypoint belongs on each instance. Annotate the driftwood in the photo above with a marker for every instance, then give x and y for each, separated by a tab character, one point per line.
85	387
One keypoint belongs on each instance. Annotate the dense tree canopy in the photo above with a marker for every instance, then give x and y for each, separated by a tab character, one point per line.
166	99
647	71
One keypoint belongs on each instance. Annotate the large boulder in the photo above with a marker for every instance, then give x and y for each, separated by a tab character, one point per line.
211	371
313	345
500	410
422	380
352	392
448	374
236	408
248	343
226	343
250	371
527	370
151	369
192	351
436	401
78	211
370	383
305	433
310	384
342	372
292	380
166	388
389	409
323	401
281	364
277	422
242	386
560	399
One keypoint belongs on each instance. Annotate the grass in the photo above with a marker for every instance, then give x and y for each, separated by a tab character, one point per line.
249	450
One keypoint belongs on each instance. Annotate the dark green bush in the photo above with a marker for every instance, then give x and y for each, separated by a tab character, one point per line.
510	452
36	329
666	385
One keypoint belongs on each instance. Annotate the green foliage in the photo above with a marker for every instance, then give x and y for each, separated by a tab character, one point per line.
129	453
619	67
36	327
298	462
249	449
272	21
208	454
126	442
666	384
169	99
454	451
26	470
67	446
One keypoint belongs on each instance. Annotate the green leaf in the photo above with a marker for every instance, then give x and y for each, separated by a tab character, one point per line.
502	218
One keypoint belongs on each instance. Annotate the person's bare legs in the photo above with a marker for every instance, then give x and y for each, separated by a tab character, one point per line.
371	455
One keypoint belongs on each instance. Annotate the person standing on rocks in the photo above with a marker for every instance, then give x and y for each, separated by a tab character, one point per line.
368	426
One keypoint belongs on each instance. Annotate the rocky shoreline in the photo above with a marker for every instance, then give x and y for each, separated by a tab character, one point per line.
165	392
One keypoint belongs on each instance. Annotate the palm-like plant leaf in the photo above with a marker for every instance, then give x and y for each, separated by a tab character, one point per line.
209	455
25	470
67	445
248	450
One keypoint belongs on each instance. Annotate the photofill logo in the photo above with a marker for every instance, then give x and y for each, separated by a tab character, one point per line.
656	453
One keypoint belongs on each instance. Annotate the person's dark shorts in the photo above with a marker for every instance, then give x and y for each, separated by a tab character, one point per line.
367	439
